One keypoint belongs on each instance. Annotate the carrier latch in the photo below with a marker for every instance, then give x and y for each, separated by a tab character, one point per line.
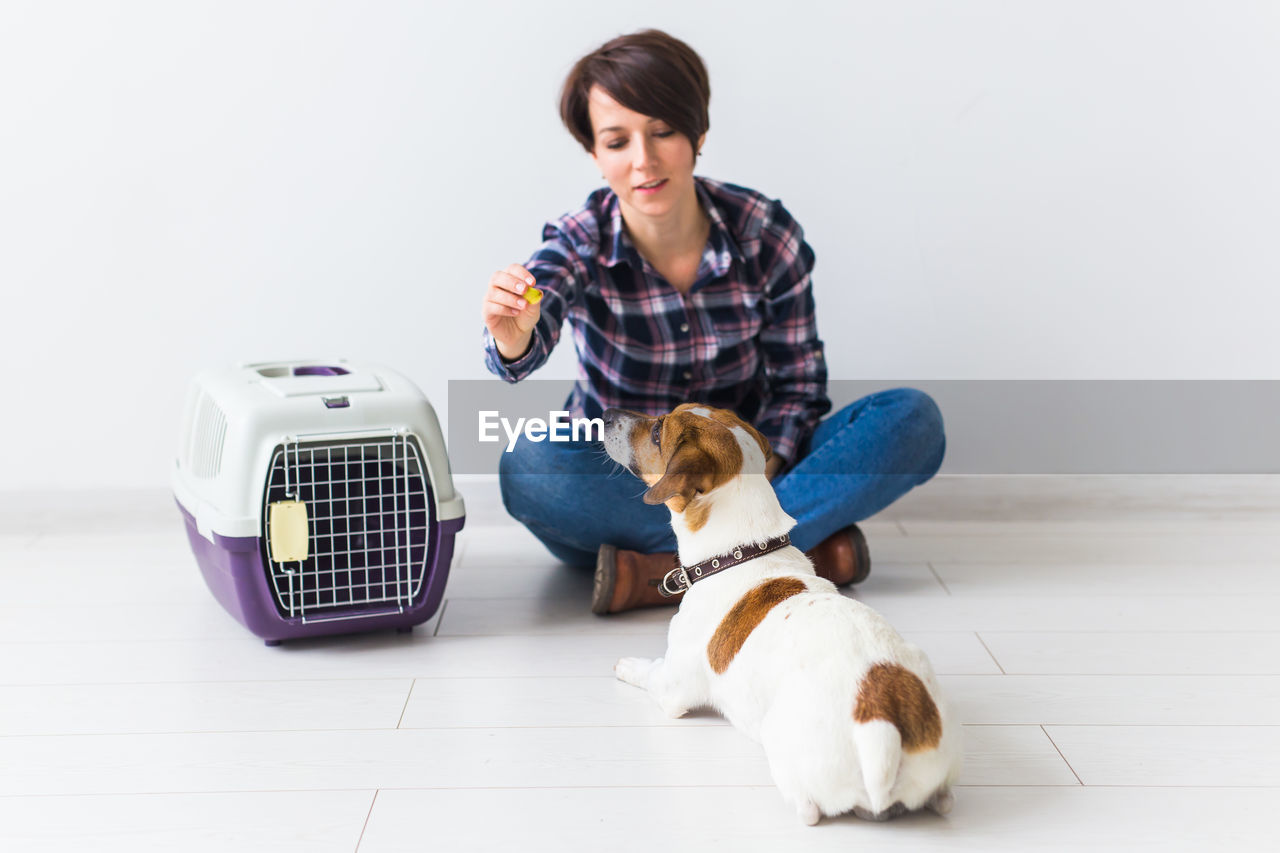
290	533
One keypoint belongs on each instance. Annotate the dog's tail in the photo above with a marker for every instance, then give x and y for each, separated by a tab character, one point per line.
893	712
879	755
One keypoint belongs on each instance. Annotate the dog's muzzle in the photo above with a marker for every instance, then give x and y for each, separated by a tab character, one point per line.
617	424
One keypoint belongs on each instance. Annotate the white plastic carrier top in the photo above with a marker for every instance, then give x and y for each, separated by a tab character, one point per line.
236	417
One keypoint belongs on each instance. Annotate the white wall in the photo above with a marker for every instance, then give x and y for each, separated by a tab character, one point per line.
993	189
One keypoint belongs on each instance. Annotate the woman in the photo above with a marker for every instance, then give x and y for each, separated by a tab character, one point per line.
680	289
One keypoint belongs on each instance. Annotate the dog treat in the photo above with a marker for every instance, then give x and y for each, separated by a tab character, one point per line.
532	295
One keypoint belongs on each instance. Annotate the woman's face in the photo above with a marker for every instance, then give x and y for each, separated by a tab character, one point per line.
634	150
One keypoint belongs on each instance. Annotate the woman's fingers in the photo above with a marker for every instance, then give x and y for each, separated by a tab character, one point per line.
505	300
517	278
510	311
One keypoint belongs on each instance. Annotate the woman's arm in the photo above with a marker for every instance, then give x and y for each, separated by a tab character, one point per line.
795	368
526	335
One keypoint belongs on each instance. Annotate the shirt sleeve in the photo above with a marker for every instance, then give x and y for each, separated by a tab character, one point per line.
795	369
559	273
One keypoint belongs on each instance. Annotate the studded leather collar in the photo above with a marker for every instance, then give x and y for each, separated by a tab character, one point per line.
680	578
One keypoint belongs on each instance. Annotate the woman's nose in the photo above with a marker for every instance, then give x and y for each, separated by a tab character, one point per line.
643	154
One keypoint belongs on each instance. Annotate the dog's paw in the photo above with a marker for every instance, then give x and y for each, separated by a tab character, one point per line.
808	813
674	710
941	801
633	670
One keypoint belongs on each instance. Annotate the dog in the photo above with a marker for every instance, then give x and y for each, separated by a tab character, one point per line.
849	714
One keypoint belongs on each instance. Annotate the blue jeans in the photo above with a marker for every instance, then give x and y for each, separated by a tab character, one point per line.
574	498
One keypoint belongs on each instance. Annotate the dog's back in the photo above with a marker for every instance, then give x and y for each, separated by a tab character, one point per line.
848	712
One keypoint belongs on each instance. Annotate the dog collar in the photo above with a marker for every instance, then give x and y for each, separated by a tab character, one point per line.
680	578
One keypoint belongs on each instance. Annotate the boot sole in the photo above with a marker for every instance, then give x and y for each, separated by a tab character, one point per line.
605	580
862	555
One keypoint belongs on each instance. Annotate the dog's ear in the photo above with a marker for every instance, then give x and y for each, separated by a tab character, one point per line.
689	472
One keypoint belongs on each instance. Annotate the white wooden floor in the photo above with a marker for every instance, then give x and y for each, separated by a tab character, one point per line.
1112	645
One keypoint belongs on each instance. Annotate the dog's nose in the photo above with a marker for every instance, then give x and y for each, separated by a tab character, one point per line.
609	416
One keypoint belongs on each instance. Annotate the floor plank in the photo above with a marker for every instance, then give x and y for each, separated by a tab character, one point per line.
1214	756
755	820
1115	699
1108	577
452	757
1136	652
266	821
201	706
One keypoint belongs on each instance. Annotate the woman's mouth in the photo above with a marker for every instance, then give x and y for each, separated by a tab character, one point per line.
651	187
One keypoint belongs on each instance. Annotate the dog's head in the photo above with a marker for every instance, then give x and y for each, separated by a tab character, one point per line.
685	454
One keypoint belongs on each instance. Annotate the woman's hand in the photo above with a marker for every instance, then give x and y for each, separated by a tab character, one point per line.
508	316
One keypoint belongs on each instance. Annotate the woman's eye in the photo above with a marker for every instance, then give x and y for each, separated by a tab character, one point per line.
616	144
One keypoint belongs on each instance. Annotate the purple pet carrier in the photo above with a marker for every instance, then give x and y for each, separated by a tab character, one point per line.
317	497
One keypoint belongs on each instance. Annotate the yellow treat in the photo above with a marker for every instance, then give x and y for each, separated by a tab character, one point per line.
532	295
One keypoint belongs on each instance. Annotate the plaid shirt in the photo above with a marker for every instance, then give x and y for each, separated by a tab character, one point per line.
743	338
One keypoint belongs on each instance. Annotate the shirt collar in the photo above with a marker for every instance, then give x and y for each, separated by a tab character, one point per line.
719	253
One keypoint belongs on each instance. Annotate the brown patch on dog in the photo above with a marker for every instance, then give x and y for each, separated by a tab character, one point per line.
693	456
729	419
892	693
696	515
740	621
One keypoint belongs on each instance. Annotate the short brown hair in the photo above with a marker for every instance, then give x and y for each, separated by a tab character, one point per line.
650	72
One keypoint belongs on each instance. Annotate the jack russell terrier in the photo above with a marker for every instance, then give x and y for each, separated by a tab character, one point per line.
849	713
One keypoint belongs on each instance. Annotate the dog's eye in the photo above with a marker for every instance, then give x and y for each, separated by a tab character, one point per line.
656	433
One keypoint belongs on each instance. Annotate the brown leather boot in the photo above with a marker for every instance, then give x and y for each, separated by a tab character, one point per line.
626	580
842	557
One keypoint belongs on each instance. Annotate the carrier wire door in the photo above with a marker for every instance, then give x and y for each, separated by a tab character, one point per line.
368	519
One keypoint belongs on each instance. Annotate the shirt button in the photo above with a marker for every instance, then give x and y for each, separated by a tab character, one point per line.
684	327
688	374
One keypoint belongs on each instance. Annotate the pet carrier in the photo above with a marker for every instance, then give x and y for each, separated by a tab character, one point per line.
317	497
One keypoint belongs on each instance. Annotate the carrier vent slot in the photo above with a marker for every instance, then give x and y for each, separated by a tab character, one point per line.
369	518
204	453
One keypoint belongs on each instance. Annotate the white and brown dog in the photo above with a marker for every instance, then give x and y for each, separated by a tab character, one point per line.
849	713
